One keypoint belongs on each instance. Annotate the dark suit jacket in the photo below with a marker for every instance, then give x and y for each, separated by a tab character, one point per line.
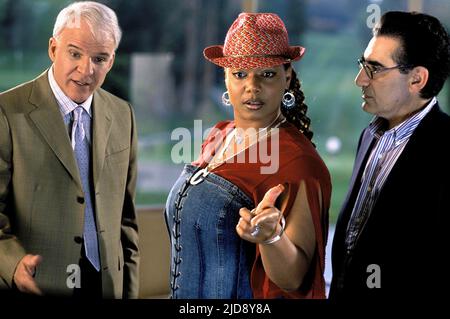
40	187
406	234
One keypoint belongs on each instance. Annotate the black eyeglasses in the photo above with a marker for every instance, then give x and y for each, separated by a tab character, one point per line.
371	69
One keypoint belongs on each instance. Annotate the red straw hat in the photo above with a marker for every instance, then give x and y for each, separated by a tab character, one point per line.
254	40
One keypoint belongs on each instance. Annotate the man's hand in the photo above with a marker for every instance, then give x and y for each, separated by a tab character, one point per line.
24	274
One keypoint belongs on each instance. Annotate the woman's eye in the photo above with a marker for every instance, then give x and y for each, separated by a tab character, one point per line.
239	74
269	74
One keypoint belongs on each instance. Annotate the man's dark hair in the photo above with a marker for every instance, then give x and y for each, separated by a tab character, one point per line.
424	42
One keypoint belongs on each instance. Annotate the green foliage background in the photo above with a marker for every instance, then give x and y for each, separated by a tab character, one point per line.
334	33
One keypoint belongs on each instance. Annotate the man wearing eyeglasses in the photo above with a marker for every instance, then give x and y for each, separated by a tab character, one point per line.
391	237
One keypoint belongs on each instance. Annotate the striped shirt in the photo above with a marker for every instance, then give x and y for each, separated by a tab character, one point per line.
388	147
66	105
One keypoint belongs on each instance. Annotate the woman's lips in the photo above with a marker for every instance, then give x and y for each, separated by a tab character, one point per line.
253	104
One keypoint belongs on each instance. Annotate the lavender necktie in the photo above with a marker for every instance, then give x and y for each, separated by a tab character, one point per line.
81	125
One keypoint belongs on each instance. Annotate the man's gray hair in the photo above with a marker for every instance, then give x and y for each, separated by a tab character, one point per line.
101	20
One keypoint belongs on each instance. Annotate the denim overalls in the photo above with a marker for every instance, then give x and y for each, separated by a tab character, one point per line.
208	258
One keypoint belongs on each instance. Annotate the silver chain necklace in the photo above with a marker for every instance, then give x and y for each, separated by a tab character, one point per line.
201	174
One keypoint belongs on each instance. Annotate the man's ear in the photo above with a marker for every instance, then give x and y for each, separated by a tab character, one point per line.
418	79
52	43
111	62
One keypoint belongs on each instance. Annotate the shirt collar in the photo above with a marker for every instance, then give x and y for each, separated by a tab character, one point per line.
66	105
403	130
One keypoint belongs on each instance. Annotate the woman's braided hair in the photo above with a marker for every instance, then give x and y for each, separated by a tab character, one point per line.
297	114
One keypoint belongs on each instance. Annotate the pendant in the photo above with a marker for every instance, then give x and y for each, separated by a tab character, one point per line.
199	176
238	139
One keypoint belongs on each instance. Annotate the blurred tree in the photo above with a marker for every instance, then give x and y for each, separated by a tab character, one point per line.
181	27
15	21
211	19
447	107
191	31
148	26
6	21
296	18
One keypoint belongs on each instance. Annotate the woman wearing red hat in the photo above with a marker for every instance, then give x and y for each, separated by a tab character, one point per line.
219	247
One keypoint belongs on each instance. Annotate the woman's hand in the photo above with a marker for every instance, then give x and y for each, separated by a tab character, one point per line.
263	222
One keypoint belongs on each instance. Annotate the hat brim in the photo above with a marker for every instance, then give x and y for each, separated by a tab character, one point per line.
215	55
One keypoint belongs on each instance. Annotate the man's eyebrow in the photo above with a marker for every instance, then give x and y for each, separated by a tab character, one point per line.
372	62
106	54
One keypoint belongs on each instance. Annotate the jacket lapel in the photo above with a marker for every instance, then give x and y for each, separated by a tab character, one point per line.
48	119
414	149
101	130
363	153
366	142
404	164
365	145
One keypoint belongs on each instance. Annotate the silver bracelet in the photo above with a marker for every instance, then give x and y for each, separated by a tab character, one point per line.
277	237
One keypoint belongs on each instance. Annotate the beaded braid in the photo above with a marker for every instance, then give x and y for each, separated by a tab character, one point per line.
297	114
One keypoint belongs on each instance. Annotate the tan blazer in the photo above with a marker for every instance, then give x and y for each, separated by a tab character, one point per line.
40	189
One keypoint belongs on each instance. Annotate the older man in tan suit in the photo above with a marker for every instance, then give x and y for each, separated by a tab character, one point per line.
68	169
